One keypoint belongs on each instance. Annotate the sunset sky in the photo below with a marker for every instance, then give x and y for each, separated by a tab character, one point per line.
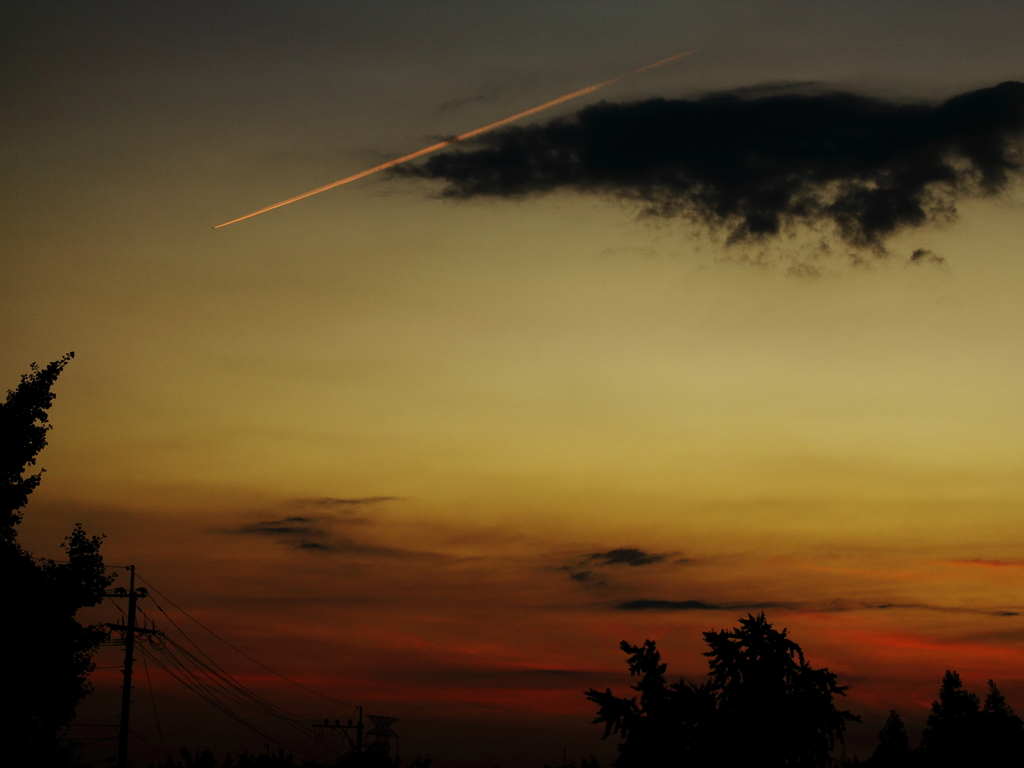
438	456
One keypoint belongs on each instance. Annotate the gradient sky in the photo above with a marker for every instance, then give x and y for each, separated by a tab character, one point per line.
467	402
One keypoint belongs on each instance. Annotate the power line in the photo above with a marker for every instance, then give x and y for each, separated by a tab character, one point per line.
152	698
200	673
224	677
140	738
209	681
238	650
234	689
198	688
221	690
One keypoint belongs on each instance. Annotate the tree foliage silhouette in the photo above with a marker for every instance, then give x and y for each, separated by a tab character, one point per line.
893	750
960	732
762	704
48	652
374	756
677	719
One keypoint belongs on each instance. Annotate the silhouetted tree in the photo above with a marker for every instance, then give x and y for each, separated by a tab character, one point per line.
201	759
672	723
374	755
48	653
778	710
763	704
893	750
206	759
960	732
1002	730
953	730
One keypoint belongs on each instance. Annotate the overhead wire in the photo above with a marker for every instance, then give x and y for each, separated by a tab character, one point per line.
238	693
152	699
224	709
205	677
144	741
236	649
213	686
224	692
225	678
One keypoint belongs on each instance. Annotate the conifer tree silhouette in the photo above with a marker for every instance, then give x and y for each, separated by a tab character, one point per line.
893	750
1002	731
951	736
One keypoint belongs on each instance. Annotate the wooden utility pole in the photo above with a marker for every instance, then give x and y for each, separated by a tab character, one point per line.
126	686
128	631
359	733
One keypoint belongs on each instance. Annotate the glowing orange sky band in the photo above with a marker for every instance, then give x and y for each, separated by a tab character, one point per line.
457	139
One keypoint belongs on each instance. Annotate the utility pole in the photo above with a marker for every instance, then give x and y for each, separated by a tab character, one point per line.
126	688
128	631
357	742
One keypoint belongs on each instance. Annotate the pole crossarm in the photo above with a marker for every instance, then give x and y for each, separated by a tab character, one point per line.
136	630
122	592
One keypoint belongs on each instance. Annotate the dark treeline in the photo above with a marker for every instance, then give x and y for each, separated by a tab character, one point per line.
374	756
960	732
762	703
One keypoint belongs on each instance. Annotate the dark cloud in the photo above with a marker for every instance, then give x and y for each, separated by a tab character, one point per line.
757	163
941	608
670	605
317	534
632	557
289	526
924	256
579	575
330	502
342	545
835	606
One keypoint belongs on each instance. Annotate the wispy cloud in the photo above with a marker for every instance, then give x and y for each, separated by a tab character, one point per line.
672	605
334	503
835	606
319	532
289	526
454	104
344	545
982	563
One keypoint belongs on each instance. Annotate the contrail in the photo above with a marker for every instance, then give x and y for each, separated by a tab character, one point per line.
462	137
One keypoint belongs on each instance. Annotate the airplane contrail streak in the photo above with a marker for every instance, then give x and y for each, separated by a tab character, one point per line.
462	137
